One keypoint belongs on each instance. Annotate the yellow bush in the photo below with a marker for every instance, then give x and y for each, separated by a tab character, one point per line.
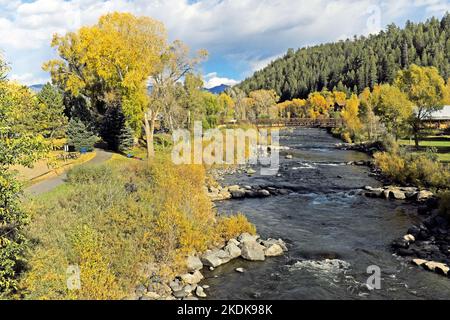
232	226
98	281
392	165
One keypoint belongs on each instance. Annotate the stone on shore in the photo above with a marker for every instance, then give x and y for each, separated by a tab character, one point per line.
396	194
247	237
253	251
409	238
192	278
194	263
199	292
211	259
423	195
232	250
237	194
240	270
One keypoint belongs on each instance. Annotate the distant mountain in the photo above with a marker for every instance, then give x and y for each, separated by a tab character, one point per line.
37	87
218	89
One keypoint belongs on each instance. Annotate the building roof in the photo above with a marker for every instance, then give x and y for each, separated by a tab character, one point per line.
443	114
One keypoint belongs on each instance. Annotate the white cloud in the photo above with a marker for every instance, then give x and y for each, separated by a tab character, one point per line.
252	31
212	80
28	79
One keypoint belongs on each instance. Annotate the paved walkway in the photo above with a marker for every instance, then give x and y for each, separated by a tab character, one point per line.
50	184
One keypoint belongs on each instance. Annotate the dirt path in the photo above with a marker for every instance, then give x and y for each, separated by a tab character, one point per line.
50	184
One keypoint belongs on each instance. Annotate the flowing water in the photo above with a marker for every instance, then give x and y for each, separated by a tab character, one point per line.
333	233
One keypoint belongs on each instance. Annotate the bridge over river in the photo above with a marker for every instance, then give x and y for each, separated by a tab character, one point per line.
299	123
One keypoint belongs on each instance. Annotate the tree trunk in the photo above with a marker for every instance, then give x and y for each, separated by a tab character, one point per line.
416	130
149	127
416	139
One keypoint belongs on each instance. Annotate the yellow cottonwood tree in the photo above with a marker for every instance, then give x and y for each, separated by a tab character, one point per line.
350	116
113	58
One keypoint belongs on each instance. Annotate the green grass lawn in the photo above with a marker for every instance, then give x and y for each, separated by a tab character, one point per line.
441	143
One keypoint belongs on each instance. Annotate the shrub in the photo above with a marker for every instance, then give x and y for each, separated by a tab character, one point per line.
419	169
231	227
13	243
392	165
89	174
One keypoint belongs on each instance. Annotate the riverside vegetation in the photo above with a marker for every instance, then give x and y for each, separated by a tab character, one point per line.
143	221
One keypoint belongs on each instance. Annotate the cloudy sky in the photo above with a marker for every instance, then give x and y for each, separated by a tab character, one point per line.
241	35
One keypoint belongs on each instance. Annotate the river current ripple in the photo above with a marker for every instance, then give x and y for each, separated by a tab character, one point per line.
333	233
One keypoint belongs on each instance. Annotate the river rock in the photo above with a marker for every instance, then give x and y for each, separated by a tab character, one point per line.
423	195
437	267
247	237
409	238
237	194
232	250
273	251
194	263
175	285
269	242
211	259
263	193
250	171
414	231
240	270
199	292
377	193
234	187
192	278
179	294
253	251
289	156
397	194
419	262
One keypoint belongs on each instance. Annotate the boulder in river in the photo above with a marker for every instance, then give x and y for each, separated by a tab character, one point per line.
423	195
253	251
237	194
247	237
273	251
397	194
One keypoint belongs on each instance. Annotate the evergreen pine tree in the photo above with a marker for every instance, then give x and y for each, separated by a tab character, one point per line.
79	136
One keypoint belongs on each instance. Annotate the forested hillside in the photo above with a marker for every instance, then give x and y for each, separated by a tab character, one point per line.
353	65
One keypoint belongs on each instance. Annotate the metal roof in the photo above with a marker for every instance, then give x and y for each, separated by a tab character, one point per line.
443	114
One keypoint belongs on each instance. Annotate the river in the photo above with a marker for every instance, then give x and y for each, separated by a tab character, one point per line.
324	219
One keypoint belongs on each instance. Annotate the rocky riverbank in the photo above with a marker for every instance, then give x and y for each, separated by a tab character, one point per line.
398	193
187	286
427	244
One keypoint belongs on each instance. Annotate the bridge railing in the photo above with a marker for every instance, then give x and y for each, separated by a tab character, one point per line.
299	122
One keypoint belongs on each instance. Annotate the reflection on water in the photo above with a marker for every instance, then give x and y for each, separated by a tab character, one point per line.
333	233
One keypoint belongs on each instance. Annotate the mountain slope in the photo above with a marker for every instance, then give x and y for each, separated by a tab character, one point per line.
218	89
352	65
